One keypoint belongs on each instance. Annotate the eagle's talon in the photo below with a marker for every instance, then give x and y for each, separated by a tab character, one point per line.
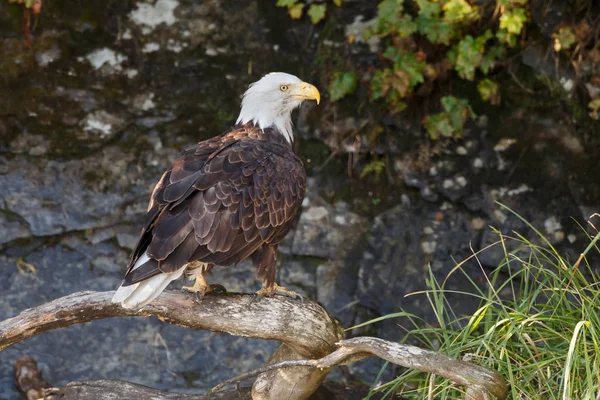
256	297
198	297
215	288
201	288
291	294
270	291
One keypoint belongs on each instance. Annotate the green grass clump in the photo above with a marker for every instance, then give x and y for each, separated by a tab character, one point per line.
538	324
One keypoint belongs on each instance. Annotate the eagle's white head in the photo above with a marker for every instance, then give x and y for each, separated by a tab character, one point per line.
270	101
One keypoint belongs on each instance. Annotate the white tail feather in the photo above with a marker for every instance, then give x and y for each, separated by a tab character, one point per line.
142	293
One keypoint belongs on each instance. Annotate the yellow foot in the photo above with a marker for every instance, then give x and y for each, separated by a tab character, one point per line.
273	290
204	290
201	288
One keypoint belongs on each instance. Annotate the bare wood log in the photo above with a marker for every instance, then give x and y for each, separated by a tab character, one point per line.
117	390
304	327
474	377
478	380
112	390
269	384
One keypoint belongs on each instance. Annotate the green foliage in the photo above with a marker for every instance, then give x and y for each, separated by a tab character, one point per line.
375	167
393	21
28	3
564	39
467	55
316	12
537	324
343	83
449	123
423	42
489	91
457	40
594	107
513	21
460	11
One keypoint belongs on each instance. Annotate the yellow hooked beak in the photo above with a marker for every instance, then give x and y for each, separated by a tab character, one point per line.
306	91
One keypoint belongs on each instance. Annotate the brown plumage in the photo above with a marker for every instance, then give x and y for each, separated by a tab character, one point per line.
225	199
222	201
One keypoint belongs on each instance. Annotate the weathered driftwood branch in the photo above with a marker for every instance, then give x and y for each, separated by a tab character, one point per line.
305	328
108	389
478	379
111	390
312	340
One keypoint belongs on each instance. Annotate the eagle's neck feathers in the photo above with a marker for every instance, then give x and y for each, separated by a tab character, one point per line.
263	118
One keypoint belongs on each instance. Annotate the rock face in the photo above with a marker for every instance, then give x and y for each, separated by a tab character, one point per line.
92	115
116	97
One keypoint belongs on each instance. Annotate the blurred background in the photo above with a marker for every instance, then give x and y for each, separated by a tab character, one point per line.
432	112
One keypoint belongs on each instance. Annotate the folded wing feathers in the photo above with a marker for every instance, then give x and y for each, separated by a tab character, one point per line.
215	210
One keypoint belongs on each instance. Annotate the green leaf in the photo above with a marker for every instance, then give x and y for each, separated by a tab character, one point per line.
563	39
428	9
469	55
513	20
449	123
390	7
506	37
489	91
594	106
295	11
316	12
374	167
492	54
413	68
458	110
337	2
435	30
391	19
377	88
438	125
286	3
459	11
343	83
395	102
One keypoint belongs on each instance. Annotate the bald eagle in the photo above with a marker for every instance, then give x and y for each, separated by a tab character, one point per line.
225	199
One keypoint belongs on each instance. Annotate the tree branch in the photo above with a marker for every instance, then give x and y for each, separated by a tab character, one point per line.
312	340
304	326
474	377
110	390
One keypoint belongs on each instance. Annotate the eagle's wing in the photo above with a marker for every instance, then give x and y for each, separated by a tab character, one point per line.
218	203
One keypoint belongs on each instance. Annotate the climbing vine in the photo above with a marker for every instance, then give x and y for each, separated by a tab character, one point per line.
423	42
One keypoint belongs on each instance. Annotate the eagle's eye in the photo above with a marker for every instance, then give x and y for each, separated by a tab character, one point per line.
284	88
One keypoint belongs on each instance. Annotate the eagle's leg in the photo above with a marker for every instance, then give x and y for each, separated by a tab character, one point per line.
275	289
265	260
269	290
201	287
